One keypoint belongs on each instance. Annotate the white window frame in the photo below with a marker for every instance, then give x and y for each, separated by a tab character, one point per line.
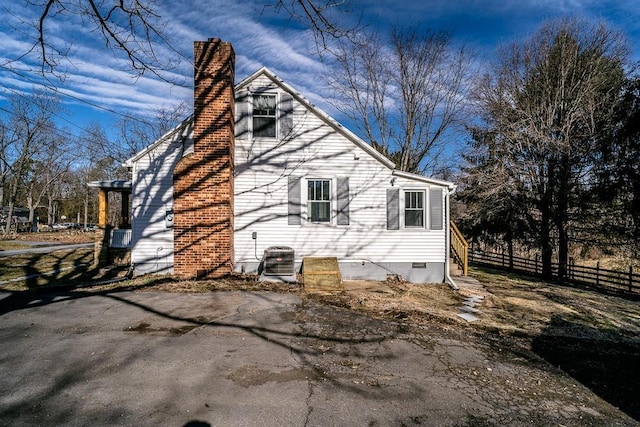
275	114
331	201
424	208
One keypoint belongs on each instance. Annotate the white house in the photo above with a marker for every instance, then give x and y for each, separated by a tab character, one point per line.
297	179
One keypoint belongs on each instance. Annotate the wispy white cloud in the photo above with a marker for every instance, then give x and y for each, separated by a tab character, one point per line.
260	37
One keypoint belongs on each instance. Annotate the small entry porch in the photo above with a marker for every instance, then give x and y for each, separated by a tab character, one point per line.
113	243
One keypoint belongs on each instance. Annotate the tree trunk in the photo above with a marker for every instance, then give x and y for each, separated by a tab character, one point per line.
13	192
31	207
563	252
546	221
86	210
7	229
545	245
509	239
562	215
50	213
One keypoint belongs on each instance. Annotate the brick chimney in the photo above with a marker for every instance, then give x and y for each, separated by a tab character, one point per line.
203	180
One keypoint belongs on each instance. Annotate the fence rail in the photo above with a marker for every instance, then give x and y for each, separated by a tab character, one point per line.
612	280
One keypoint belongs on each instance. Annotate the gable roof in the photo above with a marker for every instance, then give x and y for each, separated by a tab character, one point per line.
185	129
179	133
264	71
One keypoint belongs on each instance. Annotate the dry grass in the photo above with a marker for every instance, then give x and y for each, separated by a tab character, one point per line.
396	300
62	237
17	241
60	267
523	305
617	263
10	245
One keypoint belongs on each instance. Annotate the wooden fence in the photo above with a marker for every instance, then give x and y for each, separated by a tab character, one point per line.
611	280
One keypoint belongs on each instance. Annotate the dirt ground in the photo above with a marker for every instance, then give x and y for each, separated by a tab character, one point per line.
62	236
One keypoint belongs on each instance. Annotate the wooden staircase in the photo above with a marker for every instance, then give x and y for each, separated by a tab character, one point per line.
459	250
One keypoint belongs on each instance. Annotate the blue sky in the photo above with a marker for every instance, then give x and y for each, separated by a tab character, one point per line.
261	37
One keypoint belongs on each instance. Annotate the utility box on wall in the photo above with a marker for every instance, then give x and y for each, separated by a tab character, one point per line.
168	218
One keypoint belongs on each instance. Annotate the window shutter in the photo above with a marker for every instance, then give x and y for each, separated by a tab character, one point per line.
435	202
242	114
393	209
343	201
286	115
294	200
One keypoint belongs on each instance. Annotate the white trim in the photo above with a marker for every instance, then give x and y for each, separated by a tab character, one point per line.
415	177
276	115
187	124
186	128
447	241
304	201
403	208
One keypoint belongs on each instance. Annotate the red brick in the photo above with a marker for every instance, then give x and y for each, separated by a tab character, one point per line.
203	180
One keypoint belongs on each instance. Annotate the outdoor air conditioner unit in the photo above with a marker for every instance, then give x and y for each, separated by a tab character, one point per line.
279	262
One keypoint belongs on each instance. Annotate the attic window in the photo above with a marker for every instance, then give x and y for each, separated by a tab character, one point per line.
264	116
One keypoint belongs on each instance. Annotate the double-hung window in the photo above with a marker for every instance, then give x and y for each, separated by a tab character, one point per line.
414	211
319	200
264	116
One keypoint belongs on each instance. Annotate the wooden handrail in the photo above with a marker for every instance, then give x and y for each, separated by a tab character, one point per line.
460	249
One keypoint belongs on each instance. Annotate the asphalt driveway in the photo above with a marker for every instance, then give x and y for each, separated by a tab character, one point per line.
268	359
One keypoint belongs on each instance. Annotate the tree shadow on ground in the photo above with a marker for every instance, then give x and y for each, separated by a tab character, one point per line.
609	368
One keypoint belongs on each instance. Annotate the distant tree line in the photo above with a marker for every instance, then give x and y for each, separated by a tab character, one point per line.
45	167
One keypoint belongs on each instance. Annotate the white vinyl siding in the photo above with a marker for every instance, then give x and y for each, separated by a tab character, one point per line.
264	173
152	197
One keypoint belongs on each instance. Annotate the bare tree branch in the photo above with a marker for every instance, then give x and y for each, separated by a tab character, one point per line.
405	96
129	27
323	18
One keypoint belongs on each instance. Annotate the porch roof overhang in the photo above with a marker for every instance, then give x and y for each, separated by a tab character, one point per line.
119	186
113	185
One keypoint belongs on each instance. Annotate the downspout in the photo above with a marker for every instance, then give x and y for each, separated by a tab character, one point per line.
447	276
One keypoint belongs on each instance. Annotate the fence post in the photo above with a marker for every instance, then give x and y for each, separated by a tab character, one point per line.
502	262
569	269
598	273
536	266
631	278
